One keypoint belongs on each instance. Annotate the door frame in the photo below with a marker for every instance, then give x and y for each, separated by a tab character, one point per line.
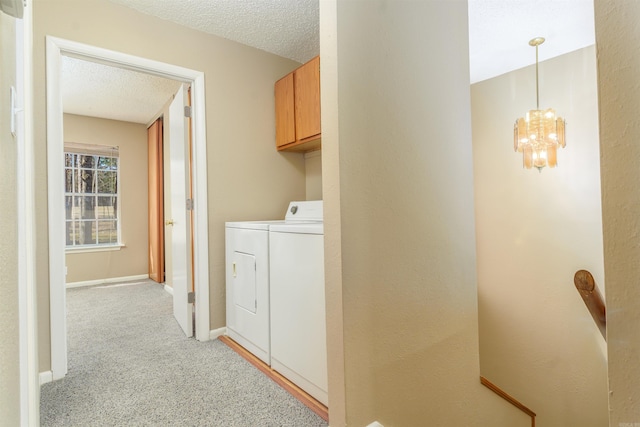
55	49
27	301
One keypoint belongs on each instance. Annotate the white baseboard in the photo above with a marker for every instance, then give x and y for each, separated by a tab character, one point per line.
169	289
215	333
106	281
45	377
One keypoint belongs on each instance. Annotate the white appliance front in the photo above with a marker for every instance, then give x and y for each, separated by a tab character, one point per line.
247	276
298	325
247	286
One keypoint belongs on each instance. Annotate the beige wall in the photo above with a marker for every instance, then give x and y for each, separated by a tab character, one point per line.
247	177
9	338
534	231
132	259
313	175
618	41
399	224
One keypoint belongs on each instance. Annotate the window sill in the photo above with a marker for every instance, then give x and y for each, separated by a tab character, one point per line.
102	248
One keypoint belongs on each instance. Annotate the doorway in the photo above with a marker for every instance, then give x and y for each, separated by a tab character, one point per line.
56	48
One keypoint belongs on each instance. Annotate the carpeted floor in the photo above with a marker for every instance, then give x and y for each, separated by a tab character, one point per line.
131	365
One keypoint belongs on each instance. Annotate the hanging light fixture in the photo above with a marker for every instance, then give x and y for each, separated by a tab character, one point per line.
539	134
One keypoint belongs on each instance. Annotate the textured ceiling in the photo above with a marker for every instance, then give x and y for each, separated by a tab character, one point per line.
288	28
96	90
499	32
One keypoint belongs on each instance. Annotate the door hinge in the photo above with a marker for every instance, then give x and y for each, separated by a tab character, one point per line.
189	204
191	297
187	111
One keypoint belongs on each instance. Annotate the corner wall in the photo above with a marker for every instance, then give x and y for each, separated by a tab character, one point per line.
618	42
247	177
132	259
400	263
534	231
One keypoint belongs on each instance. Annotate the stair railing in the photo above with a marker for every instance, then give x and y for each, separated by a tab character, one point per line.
503	394
588	290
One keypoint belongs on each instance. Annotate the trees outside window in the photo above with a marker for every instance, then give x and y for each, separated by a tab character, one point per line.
91	199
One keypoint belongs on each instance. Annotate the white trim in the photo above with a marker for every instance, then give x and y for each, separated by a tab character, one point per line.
27	303
94	248
169	289
215	333
55	180
375	424
200	209
106	281
57	47
17	128
45	377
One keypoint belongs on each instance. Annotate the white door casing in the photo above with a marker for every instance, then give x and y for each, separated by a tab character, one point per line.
55	48
181	228
29	381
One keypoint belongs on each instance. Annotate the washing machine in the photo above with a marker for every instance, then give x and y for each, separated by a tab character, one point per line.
298	320
247	277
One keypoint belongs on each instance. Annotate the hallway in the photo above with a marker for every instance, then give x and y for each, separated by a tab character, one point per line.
130	364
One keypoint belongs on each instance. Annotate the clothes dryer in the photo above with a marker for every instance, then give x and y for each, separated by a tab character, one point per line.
247	286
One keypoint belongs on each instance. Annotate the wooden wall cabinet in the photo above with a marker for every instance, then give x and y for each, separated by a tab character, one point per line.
297	97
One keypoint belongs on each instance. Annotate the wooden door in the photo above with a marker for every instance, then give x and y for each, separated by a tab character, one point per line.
285	121
156	202
307	99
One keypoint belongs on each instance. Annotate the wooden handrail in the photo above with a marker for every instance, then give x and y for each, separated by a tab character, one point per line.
588	290
497	390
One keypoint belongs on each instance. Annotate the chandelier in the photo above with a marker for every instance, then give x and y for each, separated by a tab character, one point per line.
539	133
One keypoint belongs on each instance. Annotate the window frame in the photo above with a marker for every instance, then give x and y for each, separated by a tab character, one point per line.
82	149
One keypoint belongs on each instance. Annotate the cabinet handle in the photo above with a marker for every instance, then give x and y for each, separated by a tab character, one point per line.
234	270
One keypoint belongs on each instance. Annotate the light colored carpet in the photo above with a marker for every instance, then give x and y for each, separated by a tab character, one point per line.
131	365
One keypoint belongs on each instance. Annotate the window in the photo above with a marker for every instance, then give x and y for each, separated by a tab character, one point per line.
91	195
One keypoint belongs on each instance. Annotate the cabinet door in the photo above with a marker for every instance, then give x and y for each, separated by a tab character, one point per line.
307	96
285	123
